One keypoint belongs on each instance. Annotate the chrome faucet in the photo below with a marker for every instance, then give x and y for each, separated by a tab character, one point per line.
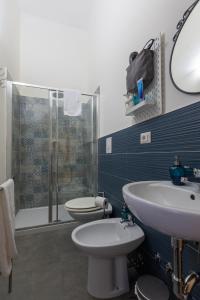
128	222
126	217
179	174
196	173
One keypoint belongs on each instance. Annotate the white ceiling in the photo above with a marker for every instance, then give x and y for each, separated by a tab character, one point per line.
76	13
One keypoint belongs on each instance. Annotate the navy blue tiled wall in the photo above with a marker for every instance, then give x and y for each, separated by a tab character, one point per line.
175	133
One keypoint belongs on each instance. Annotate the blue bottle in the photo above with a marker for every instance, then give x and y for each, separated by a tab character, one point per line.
135	99
177	172
189	172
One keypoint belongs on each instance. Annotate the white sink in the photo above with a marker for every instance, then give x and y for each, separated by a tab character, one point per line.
172	210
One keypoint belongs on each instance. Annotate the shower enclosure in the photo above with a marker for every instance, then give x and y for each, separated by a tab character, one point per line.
54	155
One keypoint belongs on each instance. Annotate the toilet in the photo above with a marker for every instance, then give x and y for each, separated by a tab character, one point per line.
84	209
106	243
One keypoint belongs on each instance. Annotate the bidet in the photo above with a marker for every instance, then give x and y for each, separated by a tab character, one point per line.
107	242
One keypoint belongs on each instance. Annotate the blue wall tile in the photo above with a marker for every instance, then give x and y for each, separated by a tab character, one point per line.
175	133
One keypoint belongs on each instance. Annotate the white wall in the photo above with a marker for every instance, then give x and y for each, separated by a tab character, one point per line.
73	13
53	54
9	57
118	28
9	37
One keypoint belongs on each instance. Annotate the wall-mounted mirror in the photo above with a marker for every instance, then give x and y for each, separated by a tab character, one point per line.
185	57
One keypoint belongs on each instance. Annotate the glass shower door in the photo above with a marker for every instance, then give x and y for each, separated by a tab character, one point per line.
75	163
54	155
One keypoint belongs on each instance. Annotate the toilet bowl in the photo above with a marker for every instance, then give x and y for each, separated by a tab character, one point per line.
84	209
107	242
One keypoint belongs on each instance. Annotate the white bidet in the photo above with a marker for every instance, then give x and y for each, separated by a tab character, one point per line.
107	242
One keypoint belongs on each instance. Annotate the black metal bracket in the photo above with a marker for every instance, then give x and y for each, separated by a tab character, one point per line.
10	279
183	20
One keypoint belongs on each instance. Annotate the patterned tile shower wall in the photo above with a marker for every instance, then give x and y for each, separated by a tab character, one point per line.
34	152
31	149
74	154
178	133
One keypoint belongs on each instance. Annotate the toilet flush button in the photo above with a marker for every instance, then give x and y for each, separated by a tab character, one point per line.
109	145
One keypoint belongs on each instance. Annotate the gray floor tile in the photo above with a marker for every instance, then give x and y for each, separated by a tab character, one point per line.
48	267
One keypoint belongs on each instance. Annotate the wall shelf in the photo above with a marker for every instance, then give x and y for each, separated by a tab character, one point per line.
142	106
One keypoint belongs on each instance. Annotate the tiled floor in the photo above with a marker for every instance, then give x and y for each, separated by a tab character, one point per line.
39	216
48	267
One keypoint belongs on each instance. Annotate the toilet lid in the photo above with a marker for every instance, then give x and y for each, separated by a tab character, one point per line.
82	204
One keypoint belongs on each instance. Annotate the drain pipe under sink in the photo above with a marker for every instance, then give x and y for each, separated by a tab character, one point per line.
181	287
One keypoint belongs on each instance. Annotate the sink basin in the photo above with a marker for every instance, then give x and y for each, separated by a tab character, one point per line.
172	210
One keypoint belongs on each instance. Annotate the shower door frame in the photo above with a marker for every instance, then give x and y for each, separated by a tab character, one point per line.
95	133
53	151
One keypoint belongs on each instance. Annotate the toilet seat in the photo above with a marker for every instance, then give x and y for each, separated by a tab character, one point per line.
84	209
85	204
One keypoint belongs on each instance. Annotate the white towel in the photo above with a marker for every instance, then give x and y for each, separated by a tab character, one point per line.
72	103
8	248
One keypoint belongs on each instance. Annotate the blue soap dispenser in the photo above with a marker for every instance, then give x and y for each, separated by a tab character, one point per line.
177	172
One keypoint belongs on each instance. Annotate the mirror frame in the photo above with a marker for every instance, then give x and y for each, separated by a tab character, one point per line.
179	28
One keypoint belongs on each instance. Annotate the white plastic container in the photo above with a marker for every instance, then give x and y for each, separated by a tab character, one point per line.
149	287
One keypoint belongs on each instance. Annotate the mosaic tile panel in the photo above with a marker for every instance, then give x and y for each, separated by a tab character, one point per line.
72	165
34	152
74	154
